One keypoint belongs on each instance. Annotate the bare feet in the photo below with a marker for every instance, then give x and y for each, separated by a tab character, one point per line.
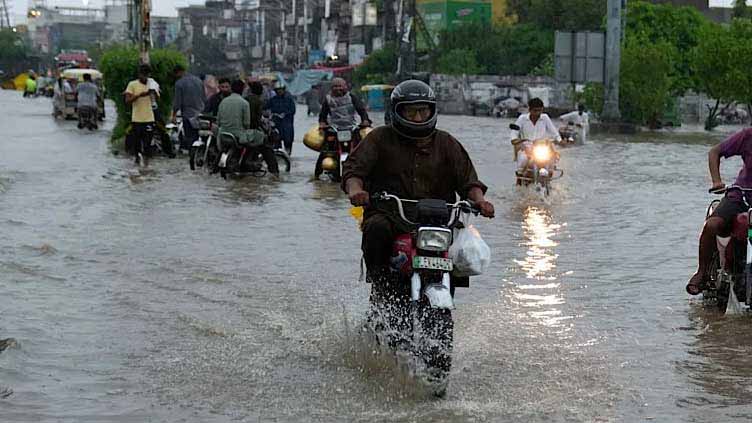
694	286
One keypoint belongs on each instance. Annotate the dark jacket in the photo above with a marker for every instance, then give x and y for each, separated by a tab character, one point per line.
438	167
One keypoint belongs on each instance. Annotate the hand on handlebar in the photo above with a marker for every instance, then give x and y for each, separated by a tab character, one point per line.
717	187
359	198
486	209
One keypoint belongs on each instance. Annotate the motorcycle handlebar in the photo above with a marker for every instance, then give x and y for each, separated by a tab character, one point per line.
465	206
726	189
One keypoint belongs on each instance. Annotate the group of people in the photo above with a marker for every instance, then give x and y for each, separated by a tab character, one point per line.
237	106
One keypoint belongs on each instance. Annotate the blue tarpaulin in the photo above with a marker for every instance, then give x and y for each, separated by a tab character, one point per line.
305	79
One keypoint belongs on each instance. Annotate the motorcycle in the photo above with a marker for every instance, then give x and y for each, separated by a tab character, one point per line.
541	167
569	135
731	268
337	146
87	118
204	150
412	310
238	159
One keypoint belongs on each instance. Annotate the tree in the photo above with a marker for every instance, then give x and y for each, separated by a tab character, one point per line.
714	67
500	50
645	82
378	68
119	65
459	62
741	10
12	47
682	27
568	15
741	77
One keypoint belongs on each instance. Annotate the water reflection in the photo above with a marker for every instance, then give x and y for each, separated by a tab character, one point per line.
540	292
720	361
539	229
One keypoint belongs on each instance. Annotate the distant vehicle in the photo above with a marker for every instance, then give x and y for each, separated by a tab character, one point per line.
68	59
65	103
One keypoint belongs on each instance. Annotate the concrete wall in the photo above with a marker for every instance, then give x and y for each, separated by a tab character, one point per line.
467	93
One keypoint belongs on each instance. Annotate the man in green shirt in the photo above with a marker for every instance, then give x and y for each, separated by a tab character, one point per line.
234	116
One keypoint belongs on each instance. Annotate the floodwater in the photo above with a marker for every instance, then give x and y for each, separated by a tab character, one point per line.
171	296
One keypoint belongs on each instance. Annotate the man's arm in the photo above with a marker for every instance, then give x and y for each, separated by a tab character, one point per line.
357	169
177	102
324	114
361	109
552	130
466	179
246	115
714	164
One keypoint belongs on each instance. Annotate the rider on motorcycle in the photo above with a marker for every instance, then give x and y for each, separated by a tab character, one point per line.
412	159
234	116
88	94
580	119
340	107
719	223
534	125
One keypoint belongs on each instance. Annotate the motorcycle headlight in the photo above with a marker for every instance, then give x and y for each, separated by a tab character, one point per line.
434	239
541	153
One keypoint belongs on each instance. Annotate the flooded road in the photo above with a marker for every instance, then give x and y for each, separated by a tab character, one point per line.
171	296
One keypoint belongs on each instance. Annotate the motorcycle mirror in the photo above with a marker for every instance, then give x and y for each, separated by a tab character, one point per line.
514	127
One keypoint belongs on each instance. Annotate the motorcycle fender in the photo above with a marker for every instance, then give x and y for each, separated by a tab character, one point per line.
440	295
223	160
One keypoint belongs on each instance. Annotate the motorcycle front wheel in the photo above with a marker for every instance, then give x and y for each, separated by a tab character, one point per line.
283	161
435	345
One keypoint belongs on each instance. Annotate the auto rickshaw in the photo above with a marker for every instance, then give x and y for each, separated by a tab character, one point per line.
66	101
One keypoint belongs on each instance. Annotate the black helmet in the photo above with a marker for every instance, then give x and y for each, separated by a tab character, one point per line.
413	92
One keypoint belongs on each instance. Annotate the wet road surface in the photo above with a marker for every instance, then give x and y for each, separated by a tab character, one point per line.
170	296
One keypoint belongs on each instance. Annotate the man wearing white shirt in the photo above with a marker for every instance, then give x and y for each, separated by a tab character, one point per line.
580	119
533	126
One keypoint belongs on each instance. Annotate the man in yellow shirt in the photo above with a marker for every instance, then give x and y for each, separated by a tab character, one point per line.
139	96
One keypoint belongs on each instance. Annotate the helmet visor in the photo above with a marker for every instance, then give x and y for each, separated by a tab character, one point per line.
416	112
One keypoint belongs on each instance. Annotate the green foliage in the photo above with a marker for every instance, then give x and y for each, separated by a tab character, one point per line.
741	76
12	47
458	62
741	10
545	68
120	66
645	82
681	27
567	15
715	68
378	68
500	50
592	96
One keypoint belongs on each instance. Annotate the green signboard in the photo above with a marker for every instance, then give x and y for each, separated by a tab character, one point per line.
439	15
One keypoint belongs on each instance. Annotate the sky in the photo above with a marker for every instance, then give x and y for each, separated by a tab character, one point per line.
161	7
167	7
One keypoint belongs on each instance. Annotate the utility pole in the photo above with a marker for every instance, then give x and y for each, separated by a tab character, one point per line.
305	31
613	61
4	15
143	10
406	61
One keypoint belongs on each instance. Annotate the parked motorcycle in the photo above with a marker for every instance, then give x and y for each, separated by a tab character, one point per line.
541	167
412	311
336	148
87	118
731	267
204	150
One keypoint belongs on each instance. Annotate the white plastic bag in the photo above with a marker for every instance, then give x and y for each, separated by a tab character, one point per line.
469	253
